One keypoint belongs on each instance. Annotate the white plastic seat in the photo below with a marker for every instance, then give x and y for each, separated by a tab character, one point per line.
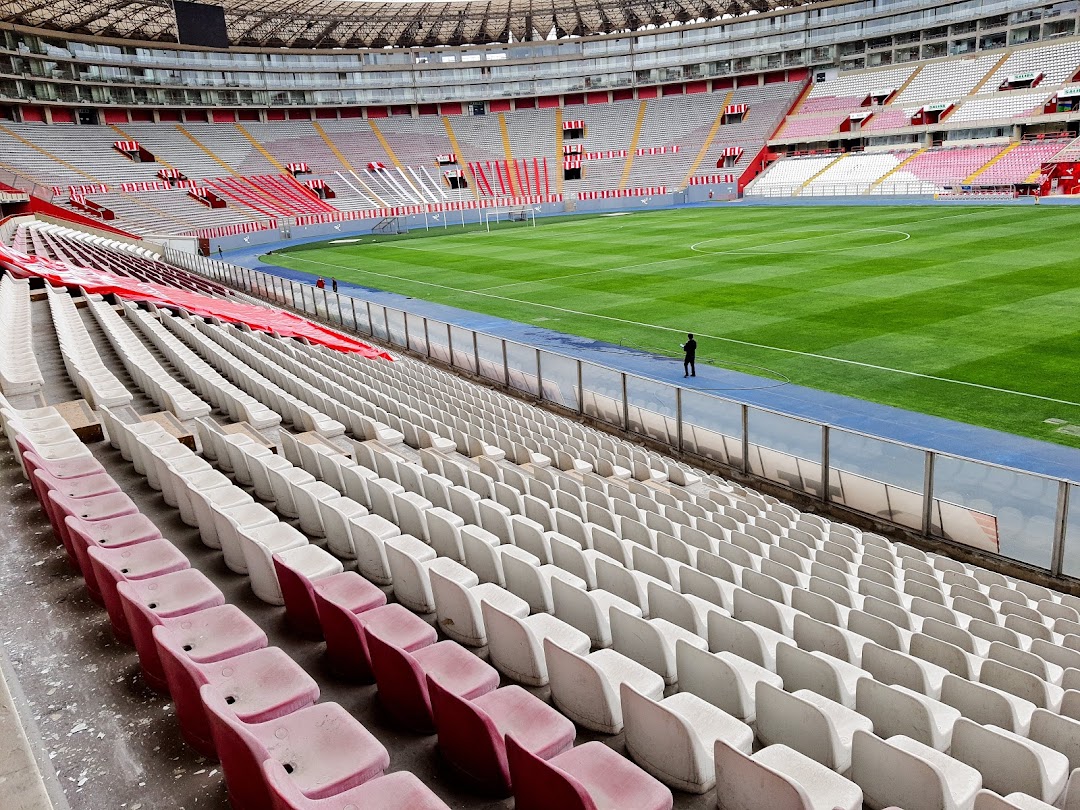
895	667
585	688
411	562
1010	763
1022	684
747	640
533	582
672	738
516	644
813	635
650	642
986	704
458	607
368	534
814	726
900	772
723	679
588	611
231	522
1057	732
897	710
485	557
444	533
259	545
337	516
779	778
827	676
988	800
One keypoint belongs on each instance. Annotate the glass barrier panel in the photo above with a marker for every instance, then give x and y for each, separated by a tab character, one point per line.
652	409
321	298
306	300
464	354
559	377
521	361
378	322
333	304
491	357
712	428
877	477
414	326
991	509
363	322
439	340
785	450
395	322
1070	563
348	319
602	393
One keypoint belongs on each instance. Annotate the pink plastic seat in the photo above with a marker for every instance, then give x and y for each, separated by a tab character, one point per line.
114	532
63	468
258	686
337	600
298	591
395	623
472	732
587	777
394	791
324	749
94	508
144	560
402	677
86	486
148	601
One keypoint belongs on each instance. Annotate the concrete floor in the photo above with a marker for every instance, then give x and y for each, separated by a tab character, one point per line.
106	740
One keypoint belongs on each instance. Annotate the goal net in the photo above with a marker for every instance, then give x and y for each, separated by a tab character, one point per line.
502	217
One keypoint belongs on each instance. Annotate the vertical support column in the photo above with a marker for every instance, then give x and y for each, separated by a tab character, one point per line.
825	463
539	378
506	365
386	324
370	323
580	392
678	419
427	342
355	325
625	405
476	353
745	439
450	343
928	493
1061	521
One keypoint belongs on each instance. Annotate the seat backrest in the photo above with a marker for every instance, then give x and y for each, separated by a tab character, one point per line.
943	654
788	719
750	607
241	753
878	630
893	711
622	582
1058	732
741	638
981	703
746	783
468	732
1006	764
811	634
655	733
887	774
401	681
1015	681
712	678
455	605
574	606
637	638
539	785
800	669
668	604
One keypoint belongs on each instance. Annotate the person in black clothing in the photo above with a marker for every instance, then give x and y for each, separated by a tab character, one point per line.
333	282
690	347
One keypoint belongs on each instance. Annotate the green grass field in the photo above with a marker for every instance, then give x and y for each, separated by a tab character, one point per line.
839	299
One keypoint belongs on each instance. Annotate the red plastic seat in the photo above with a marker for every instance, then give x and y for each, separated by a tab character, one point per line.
63	468
394	623
143	560
587	777
402	677
471	732
148	601
114	532
395	791
258	686
85	486
337	599
324	749
298	591
94	508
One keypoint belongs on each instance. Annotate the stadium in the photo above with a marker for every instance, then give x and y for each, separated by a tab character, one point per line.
639	404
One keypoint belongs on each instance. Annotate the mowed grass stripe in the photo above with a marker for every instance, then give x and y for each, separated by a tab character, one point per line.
985	296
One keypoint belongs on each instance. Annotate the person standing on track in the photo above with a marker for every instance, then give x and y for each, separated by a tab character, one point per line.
690	349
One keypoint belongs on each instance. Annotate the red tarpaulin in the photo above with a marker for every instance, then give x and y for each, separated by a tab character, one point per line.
264	318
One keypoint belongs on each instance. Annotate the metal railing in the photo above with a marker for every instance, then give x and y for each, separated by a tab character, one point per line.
1025	517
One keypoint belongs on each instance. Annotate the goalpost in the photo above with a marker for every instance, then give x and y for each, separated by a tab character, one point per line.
524	215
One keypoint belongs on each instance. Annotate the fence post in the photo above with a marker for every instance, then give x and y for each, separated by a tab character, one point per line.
1061	522
678	419
476	352
506	366
539	379
386	325
450	343
928	493
625	405
746	439
825	463
427	342
370	323
580	392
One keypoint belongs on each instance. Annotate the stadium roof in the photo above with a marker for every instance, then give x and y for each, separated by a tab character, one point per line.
344	24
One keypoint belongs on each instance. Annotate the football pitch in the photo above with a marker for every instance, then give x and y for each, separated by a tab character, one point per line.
970	313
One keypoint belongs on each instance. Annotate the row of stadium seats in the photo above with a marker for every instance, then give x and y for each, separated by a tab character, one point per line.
795	662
